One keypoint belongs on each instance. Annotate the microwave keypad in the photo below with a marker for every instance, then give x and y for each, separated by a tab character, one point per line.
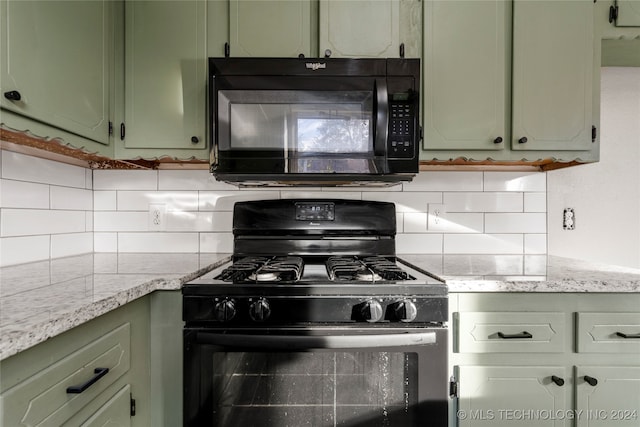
400	131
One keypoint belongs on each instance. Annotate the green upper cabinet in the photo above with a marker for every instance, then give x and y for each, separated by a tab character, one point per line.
280	28
55	59
552	75
165	79
501	77
627	13
466	74
369	29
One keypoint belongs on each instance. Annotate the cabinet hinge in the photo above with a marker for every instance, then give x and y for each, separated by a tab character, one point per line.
132	401
453	388
613	14
122	131
401	50
110	128
227	50
594	133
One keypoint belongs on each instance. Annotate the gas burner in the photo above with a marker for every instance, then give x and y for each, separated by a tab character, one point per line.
368	269
264	269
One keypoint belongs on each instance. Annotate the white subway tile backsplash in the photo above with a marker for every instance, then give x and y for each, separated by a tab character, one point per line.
173	200
483	244
158	242
224	201
29	222
21	167
71	244
414	222
88	217
125	179
405	202
21	194
216	242
88	179
483	202
190	180
71	198
104	200
535	244
419	243
120	221
105	242
535	265
457	223
191	221
445	181
535	202
19	250
515	223
515	181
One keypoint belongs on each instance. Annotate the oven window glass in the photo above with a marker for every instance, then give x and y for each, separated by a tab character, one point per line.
315	389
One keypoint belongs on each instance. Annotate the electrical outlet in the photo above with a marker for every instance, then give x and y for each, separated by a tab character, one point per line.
157	217
568	219
436	218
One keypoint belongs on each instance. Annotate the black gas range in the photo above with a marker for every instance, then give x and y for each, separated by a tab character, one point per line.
315	276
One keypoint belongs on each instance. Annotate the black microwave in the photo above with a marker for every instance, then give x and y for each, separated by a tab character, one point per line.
314	121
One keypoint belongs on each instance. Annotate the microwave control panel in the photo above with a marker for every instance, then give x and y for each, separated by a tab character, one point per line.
401	130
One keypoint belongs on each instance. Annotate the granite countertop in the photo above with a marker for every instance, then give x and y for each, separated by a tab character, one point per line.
43	299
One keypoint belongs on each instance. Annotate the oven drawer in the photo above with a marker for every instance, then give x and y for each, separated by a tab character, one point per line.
509	332
608	332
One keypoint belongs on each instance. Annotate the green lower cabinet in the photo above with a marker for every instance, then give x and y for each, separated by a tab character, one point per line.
115	412
607	396
512	395
627	13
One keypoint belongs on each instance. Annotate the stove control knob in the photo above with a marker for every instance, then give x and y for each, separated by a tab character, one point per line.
371	311
405	310
260	310
225	310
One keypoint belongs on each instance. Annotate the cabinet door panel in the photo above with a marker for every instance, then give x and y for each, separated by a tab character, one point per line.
56	55
466	63
116	412
360	28
165	76
552	74
277	28
628	13
613	401
499	395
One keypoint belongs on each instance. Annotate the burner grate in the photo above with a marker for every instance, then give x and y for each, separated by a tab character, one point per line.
264	269
370	269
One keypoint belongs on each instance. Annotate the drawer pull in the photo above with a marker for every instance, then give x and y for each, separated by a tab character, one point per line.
627	336
559	381
591	381
523	334
99	373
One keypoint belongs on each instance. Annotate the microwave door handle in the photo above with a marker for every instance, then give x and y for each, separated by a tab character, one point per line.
381	116
307	342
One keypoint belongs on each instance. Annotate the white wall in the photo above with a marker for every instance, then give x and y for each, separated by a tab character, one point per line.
604	195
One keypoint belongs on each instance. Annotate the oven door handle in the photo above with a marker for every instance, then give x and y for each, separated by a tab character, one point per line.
307	342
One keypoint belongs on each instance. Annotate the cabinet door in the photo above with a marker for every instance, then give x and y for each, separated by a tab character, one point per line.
628	13
360	28
272	28
552	74
116	412
612	400
165	76
56	55
503	395
466	74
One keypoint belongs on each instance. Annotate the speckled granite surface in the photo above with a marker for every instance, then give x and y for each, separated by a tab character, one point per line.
43	299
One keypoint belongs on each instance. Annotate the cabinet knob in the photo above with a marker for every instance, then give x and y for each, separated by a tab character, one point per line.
498	140
591	381
195	139
522	140
327	53
13	95
559	381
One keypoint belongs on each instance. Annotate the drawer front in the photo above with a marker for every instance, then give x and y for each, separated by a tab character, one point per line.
608	332
42	399
116	412
509	332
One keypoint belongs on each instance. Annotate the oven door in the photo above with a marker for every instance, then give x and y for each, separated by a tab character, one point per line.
321	376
